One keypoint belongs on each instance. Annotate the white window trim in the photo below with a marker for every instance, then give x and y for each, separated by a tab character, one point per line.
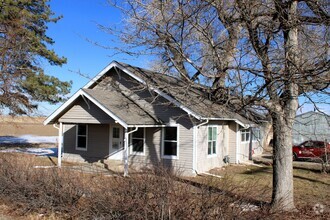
79	148
244	131
144	144
177	143
216	142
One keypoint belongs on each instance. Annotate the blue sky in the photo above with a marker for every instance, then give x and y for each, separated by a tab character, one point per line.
79	23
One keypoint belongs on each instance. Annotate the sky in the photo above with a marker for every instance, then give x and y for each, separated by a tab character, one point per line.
72	35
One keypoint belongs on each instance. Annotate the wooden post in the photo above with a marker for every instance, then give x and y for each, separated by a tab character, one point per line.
126	153
59	147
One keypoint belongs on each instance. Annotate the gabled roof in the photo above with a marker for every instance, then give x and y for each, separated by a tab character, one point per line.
187	97
117	106
120	105
184	96
309	113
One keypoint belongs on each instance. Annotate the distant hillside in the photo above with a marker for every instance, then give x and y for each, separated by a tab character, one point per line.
23	125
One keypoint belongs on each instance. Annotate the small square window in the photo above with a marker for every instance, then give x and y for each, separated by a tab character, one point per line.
245	135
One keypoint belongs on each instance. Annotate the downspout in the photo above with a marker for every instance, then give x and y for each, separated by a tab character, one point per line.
250	144
126	150
195	144
238	143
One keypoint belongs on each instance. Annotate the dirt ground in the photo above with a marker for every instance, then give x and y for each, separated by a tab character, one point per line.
24	125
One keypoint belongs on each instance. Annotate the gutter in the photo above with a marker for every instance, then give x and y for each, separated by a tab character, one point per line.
126	150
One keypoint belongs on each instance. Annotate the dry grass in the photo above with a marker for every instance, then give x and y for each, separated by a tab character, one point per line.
66	194
21	125
310	187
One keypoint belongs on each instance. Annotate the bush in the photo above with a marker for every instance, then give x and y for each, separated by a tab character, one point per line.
153	195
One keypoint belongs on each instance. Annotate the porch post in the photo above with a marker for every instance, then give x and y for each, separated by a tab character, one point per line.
250	143
60	144
126	153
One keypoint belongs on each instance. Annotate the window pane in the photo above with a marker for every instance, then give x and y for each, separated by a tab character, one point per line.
81	142
82	130
170	148
214	143
138	133
210	134
247	136
214	136
115	132
137	145
209	148
243	136
170	133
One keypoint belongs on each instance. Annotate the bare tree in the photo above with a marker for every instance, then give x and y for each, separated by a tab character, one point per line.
250	53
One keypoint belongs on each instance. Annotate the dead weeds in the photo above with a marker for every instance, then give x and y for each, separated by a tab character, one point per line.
61	193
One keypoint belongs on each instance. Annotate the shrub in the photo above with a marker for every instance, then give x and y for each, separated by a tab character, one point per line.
156	194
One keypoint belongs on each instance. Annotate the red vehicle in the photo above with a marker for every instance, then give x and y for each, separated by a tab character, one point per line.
312	150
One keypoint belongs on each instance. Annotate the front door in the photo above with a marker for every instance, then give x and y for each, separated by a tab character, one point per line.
116	138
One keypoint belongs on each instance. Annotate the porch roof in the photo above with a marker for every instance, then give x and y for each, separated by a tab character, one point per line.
121	106
116	105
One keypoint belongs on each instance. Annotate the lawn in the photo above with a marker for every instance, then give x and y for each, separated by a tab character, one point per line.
310	187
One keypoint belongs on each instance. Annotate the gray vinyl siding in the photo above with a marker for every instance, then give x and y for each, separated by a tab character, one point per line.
232	152
163	111
153	151
206	162
244	150
69	138
97	141
80	112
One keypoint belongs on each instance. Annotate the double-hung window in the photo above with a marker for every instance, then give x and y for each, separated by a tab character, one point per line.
170	142
137	141
81	138
245	135
212	140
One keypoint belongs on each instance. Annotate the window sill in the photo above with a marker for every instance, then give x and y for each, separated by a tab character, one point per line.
211	155
170	157
81	149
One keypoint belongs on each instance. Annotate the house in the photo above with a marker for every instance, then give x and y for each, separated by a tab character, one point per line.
311	126
151	119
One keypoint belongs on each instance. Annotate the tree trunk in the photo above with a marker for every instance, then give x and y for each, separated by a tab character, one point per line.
283	116
282	197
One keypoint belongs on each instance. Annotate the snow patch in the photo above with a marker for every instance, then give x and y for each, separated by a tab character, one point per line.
27	139
35	151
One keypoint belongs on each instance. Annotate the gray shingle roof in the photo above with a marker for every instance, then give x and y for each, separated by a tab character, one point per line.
120	105
188	95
